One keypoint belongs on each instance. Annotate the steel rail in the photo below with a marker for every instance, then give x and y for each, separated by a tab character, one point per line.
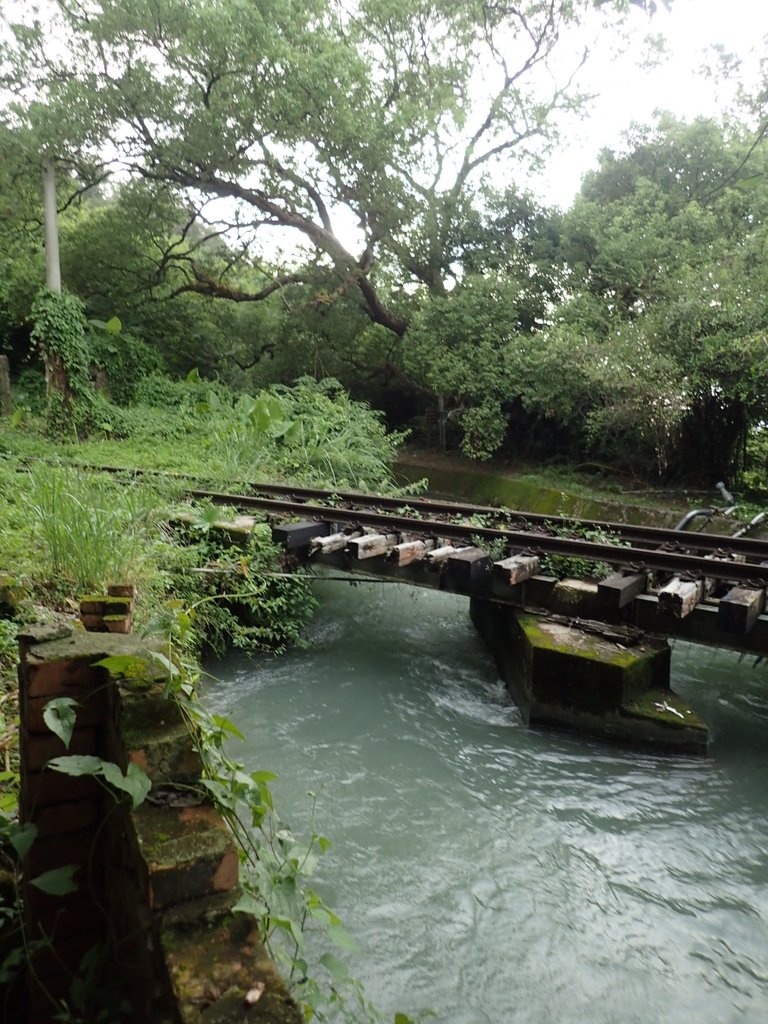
638	559
653	536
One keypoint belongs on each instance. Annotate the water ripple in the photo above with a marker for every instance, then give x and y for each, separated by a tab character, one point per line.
505	875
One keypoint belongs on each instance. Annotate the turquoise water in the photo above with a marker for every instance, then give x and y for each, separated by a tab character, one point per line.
493	873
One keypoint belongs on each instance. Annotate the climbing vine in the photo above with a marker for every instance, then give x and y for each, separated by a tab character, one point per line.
59	333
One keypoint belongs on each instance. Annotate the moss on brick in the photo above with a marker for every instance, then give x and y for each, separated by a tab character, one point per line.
213	968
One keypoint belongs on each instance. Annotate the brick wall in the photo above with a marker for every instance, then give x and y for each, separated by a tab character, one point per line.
155	885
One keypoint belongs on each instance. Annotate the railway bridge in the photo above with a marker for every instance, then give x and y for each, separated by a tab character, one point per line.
587	652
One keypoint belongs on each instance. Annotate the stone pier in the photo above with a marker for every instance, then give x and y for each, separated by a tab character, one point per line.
154	885
586	676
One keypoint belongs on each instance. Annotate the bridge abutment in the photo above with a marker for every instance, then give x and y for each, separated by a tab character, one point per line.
153	886
585	676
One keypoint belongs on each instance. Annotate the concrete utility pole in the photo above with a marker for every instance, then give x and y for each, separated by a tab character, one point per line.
52	265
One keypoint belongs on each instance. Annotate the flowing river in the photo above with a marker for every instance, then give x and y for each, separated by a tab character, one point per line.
496	874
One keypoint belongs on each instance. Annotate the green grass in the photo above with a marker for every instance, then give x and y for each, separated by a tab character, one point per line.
93	530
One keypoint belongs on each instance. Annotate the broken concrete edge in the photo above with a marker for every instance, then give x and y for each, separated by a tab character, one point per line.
571	681
162	884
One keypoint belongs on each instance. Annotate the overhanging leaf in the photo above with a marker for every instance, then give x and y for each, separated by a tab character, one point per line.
77	764
9	966
335	967
21	838
123	665
135	782
248	904
339	937
59	715
58	882
225	725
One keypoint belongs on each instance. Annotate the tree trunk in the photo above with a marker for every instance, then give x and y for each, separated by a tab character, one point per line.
441	439
57	380
52	265
6	402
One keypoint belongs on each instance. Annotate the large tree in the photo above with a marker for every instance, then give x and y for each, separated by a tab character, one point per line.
661	351
363	127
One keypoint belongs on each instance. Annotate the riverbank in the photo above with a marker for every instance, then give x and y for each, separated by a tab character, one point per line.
563	491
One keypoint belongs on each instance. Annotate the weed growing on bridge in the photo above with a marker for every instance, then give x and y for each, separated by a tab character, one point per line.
566	567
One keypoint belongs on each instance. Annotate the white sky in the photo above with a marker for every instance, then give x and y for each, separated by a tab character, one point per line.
628	93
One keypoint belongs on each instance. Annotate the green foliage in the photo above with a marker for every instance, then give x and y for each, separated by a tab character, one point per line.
59	716
59	332
568	567
312	433
164	392
484	428
125	360
756	472
57	881
8	649
93	529
29	391
395	113
134	781
658	357
60	329
242	597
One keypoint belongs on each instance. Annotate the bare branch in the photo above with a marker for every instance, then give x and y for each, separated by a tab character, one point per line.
204	283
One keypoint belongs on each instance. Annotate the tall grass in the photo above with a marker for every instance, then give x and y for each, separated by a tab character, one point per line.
311	433
92	529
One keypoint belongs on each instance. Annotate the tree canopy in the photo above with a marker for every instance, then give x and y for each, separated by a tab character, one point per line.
665	324
201	136
364	128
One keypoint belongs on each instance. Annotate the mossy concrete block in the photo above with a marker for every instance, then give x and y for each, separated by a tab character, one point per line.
222	974
578	679
189	852
660	713
570	667
105	604
208	910
13	595
59	643
44	632
154	733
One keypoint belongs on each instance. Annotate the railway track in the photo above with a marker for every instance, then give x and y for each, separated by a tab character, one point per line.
711	556
629	548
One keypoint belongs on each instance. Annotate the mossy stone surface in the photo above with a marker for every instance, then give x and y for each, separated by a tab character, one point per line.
164	750
582	681
57	643
667	708
157	826
189	852
222	974
585	671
